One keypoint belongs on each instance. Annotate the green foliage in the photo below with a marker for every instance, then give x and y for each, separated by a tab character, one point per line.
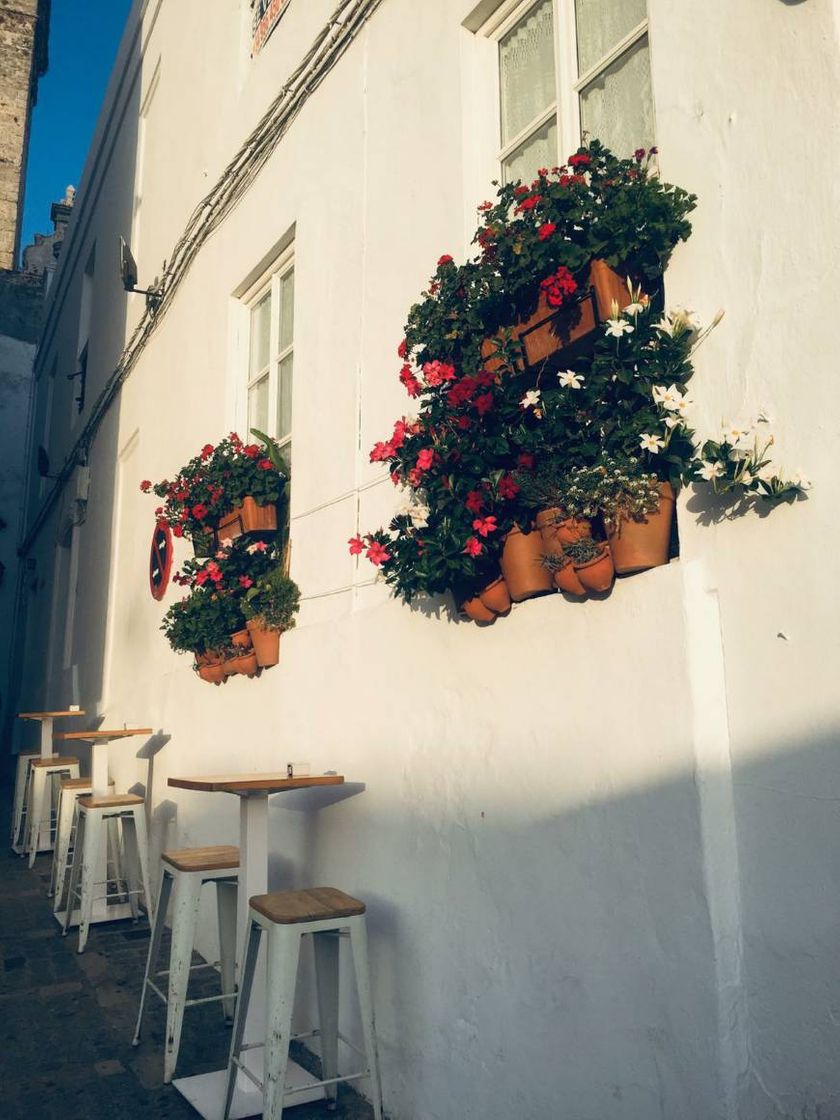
202	621
273	601
583	550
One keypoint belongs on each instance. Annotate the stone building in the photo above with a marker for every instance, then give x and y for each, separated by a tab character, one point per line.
599	841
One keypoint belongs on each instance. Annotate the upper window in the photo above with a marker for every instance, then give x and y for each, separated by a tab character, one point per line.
570	69
271	355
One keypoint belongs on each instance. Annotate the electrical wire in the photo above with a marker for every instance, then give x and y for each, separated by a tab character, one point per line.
328	47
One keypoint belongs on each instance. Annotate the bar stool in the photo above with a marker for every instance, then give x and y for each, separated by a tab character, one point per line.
21	787
42	775
71	790
129	811
286	916
183	873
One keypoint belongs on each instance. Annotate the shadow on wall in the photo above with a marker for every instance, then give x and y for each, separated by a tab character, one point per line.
585	964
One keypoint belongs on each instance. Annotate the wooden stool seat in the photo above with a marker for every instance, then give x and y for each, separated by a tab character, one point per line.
317	904
56	760
76	783
115	801
216	857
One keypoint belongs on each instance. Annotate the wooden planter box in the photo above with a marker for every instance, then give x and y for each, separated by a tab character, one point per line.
247	518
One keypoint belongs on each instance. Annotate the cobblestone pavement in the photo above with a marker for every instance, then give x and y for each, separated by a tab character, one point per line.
67	1020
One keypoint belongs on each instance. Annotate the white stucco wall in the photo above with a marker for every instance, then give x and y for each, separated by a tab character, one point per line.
599	843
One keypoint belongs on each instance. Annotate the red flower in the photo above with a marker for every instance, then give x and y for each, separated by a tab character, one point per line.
559	287
396	478
207	451
445	259
525	461
177	530
412	385
246	581
145	486
529	203
462	391
415	477
507	487
265	464
474	501
425	459
438	372
546	229
251	450
473	547
202	577
402	349
580	161
199	511
381	451
639	155
464	423
483	403
357	546
485	525
485	206
520	190
377	554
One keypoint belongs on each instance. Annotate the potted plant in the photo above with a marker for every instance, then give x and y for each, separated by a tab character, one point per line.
201	623
563	573
592	563
562	512
269	608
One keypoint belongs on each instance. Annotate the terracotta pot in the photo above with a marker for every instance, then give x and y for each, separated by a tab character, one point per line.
247	518
551	329
556	529
241	639
476	610
266	644
566	579
638	545
598	573
245	665
213	674
522	565
496	596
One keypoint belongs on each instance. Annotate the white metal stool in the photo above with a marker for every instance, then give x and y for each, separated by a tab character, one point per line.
40	815
92	813
287	916
71	790
21	788
183	873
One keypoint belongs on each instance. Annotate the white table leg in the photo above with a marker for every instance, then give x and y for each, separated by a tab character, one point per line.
99	768
46	737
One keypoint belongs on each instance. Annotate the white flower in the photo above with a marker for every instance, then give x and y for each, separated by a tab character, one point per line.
531	399
677	321
651	443
419	516
674	421
570	380
634	308
735	434
746	478
711	471
617	327
226	542
800	481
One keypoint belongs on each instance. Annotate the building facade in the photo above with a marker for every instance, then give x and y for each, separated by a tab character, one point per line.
599	844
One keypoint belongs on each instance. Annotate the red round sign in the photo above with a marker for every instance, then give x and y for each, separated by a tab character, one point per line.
160	561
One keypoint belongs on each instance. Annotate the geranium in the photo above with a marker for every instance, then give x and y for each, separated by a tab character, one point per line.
546	229
145	486
377	554
559	287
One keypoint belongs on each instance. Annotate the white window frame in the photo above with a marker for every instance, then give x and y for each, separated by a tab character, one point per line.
566	107
268	284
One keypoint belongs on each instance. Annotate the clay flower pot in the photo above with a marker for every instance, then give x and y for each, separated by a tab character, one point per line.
266	643
552	329
598	573
476	610
638	545
496	596
245	665
556	529
241	639
566	579
522	566
247	518
213	674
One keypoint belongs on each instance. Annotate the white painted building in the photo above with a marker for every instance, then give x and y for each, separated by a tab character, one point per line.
600	844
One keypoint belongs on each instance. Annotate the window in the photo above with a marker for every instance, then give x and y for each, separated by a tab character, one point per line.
571	68
271	354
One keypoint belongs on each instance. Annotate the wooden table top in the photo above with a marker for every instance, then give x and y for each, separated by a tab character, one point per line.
92	736
255	783
51	715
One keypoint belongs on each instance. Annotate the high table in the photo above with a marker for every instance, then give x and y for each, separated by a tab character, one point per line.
46	721
206	1092
99	740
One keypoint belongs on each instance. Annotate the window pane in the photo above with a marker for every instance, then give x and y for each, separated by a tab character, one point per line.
603	23
287	310
260	334
258	406
284	398
617	107
539	150
526	70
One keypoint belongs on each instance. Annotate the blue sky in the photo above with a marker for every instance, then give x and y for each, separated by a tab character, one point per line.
84	36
